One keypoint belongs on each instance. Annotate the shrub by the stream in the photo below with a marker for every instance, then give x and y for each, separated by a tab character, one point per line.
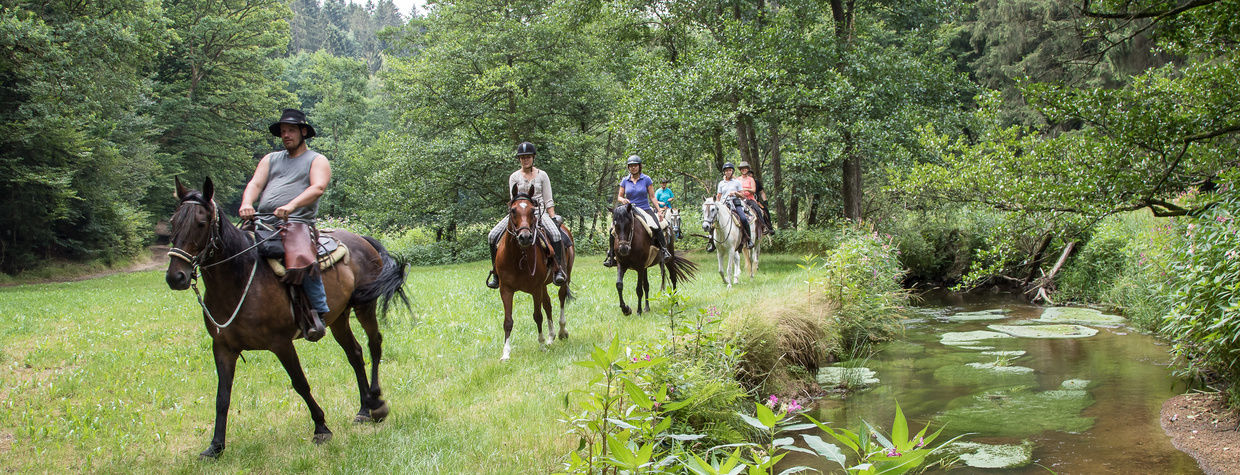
1124	264
1204	322
937	246
861	281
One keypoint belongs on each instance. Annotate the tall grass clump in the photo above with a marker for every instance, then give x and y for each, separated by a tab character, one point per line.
1204	322
1124	264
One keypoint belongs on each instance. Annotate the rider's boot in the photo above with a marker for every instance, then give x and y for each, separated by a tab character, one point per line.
492	279
316	329
710	244
610	261
312	288
559	278
664	253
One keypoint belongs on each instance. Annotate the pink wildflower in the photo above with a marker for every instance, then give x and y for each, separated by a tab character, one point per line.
772	402
893	453
920	442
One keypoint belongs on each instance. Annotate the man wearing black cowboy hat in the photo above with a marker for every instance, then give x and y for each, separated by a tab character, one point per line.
287	185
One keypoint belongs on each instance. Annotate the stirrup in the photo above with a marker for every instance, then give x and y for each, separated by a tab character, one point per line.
710	246
316	330
610	261
559	279
492	280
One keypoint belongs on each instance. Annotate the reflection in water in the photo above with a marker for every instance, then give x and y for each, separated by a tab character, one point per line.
1110	427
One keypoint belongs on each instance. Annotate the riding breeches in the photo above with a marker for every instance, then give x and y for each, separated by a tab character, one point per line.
736	206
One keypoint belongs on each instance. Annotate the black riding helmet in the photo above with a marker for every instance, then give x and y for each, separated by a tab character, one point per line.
633	159
727	165
526	148
295	117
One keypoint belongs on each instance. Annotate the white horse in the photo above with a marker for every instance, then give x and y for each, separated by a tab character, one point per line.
729	240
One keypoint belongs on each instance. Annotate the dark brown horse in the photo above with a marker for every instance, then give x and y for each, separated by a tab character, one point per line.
635	250
522	265
246	307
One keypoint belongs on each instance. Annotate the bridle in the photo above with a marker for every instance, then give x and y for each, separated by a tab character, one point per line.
712	219
195	261
632	228
533	228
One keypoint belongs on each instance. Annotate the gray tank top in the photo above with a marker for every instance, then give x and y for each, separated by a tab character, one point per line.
287	178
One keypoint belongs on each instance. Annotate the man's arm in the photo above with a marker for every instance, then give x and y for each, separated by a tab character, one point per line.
320	175
254	188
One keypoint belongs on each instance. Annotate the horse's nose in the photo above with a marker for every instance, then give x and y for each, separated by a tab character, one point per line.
622	250
705	228
177	280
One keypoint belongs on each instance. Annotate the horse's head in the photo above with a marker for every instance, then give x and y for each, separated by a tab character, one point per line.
622	226
708	213
673	221
194	226
523	216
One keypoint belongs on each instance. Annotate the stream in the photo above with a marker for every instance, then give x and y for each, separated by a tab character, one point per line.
1070	402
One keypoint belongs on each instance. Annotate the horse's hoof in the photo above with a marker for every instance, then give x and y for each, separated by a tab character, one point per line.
563	335
380	413
320	439
212	453
362	419
626	311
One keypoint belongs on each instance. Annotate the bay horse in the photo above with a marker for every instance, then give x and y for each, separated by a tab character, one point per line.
246	307
725	229
521	265
635	250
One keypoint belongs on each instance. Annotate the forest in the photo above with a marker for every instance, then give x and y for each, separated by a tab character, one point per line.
1066	151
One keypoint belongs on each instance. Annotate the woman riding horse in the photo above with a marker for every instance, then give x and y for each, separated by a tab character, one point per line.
528	176
638	189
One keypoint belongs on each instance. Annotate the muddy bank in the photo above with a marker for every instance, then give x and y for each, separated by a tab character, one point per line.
1202	427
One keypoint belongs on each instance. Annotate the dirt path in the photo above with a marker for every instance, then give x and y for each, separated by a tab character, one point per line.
157	258
1203	428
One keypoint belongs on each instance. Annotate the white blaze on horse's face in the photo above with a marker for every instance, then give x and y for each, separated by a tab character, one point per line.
524	205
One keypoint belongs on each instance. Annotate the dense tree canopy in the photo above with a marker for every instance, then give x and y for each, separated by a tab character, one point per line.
1061	110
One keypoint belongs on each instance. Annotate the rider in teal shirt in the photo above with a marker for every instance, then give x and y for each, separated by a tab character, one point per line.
664	195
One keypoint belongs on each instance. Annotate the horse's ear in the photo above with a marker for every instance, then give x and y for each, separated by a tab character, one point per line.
531	190
208	190
513	192
181	189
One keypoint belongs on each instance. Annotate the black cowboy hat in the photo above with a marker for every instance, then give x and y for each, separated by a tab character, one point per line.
295	117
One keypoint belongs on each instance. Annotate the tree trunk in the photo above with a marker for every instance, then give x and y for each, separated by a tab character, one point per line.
814	201
718	149
776	185
852	180
742	139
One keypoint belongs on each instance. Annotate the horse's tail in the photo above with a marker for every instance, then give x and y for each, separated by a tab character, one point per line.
680	268
391	281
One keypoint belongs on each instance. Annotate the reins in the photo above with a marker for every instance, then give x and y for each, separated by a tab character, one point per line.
538	212
195	262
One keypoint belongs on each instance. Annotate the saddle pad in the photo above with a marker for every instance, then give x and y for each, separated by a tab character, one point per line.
334	253
646	222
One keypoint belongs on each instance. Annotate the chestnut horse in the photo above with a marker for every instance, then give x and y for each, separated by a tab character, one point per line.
246	307
635	250
521	265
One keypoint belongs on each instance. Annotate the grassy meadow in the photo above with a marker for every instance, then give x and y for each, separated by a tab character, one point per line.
115	375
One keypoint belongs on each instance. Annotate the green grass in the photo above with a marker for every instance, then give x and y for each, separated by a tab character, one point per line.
115	375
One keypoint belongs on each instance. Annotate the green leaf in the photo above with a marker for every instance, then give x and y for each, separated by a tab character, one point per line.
827	450
754	422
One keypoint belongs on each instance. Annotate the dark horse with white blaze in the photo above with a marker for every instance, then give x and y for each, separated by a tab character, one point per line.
521	265
635	250
246	307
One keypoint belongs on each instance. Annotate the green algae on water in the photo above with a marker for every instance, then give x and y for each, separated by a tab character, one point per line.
980	455
970	338
1019	412
836	376
985	375
992	314
1082	316
1045	331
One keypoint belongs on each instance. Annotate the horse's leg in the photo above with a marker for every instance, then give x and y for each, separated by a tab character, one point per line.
505	294
537	297
642	289
722	256
546	307
736	268
563	298
374	341
292	365
225	369
753	260
620	290
353	352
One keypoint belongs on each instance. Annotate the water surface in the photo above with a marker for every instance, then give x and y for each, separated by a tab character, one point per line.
1111	426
